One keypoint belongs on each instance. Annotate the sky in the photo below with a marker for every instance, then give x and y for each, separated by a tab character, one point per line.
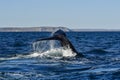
75	14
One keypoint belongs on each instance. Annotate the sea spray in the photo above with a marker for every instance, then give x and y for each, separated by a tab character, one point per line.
52	42
51	49
41	46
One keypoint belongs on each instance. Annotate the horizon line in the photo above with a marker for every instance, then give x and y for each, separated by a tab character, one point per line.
59	27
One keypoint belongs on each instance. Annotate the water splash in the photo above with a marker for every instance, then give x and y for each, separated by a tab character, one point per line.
46	49
52	42
51	49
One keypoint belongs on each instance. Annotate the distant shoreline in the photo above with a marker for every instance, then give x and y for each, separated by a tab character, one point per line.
51	29
32	29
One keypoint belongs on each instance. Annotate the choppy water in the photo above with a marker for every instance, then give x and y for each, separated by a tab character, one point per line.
20	60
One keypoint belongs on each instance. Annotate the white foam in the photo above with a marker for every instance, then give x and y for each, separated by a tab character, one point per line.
68	53
50	49
54	53
15	57
45	49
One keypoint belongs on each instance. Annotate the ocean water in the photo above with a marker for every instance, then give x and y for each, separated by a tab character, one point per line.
22	58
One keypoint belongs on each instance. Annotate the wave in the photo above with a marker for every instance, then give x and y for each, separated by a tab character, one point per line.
53	53
97	51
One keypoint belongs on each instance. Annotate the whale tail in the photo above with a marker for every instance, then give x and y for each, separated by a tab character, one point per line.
61	36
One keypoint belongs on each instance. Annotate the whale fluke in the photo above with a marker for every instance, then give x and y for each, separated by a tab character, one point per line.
61	36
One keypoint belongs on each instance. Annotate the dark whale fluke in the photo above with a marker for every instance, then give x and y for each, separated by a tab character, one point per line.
61	36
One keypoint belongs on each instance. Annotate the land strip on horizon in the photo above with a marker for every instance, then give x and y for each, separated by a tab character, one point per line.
49	29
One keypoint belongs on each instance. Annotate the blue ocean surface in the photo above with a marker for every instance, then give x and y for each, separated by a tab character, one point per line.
22	58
